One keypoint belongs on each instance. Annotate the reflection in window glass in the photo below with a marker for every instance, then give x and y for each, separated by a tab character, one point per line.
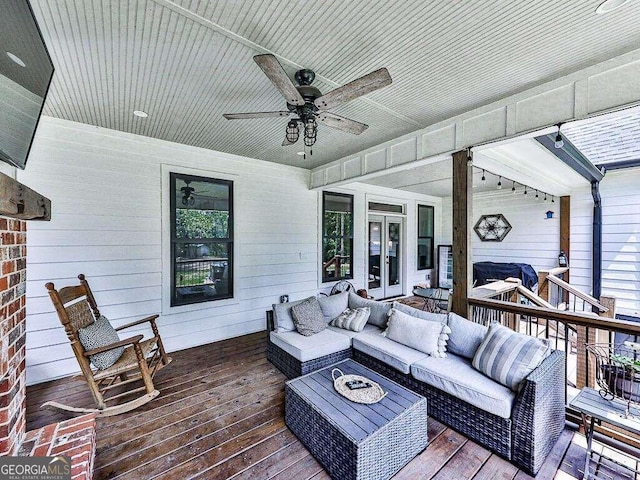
337	236
201	239
425	237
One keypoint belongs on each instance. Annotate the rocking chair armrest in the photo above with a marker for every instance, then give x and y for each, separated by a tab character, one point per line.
121	343
150	318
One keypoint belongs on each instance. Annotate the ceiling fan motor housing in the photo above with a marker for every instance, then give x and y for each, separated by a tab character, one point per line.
305	76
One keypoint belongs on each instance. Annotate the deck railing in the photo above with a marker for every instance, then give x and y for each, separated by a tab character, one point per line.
565	330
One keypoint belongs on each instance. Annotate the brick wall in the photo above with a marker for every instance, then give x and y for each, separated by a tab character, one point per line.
13	263
75	438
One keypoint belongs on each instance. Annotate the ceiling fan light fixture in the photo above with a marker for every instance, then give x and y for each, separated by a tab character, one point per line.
293	133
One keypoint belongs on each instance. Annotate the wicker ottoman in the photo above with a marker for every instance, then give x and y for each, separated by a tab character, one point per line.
351	440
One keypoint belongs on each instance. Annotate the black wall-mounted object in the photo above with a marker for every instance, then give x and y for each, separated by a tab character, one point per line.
26	71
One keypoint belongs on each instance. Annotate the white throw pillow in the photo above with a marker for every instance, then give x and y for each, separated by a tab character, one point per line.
427	337
333	305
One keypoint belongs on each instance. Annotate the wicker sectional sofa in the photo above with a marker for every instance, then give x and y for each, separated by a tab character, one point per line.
520	426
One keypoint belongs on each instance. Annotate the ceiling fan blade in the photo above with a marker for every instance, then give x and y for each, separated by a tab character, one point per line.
352	90
242	116
342	123
272	69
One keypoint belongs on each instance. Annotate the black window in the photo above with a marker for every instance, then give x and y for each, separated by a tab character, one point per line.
425	237
337	236
201	239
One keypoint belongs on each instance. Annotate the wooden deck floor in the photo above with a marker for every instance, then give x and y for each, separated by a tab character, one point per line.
220	415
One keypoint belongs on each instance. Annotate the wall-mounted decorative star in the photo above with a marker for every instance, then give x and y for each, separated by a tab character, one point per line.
492	228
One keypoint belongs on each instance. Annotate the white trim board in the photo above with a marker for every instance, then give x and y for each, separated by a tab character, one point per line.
607	86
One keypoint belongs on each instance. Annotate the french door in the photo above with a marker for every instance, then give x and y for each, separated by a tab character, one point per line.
385	256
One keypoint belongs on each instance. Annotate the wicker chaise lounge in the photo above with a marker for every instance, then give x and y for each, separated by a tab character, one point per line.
520	426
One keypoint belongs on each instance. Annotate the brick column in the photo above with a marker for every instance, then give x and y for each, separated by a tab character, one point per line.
13	276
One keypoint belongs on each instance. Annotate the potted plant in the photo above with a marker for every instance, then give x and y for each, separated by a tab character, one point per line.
622	375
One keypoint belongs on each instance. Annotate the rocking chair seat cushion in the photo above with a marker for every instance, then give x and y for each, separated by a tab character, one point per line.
100	334
128	361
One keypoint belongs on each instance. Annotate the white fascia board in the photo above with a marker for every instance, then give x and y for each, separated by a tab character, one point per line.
601	88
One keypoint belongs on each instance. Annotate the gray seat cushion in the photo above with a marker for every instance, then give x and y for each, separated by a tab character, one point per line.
455	376
368	330
392	353
414	312
333	305
282	318
379	310
465	336
304	348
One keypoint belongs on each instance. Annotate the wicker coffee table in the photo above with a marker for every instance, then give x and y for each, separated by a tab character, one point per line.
352	440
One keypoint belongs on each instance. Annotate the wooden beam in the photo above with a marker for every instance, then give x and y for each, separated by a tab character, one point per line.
19	201
462	225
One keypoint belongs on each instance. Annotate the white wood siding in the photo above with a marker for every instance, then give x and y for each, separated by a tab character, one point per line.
620	192
105	188
533	239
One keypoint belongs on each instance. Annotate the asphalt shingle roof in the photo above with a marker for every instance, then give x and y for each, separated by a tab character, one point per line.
613	138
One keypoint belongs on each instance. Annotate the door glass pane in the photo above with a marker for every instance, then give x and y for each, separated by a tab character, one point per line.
425	253
394	254
375	231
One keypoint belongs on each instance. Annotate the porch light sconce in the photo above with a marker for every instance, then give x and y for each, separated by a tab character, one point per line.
559	143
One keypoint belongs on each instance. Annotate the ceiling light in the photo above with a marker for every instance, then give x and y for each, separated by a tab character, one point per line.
16	59
513	187
525	189
559	143
140	113
499	183
610	5
483	178
292	132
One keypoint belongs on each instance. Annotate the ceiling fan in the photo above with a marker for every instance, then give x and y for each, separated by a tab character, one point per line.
308	105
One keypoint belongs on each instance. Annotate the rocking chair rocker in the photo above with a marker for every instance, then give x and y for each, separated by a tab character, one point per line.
140	360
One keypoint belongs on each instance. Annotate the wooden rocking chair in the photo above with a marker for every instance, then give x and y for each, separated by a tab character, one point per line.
141	359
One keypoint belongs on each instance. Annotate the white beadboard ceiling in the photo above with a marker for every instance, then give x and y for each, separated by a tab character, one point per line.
186	62
525	162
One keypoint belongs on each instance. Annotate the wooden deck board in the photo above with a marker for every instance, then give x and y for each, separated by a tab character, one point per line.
220	414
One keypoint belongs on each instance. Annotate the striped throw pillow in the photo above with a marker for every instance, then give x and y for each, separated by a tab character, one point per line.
509	357
353	319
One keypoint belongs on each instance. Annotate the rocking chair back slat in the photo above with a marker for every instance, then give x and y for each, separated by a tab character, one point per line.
69	294
79	315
